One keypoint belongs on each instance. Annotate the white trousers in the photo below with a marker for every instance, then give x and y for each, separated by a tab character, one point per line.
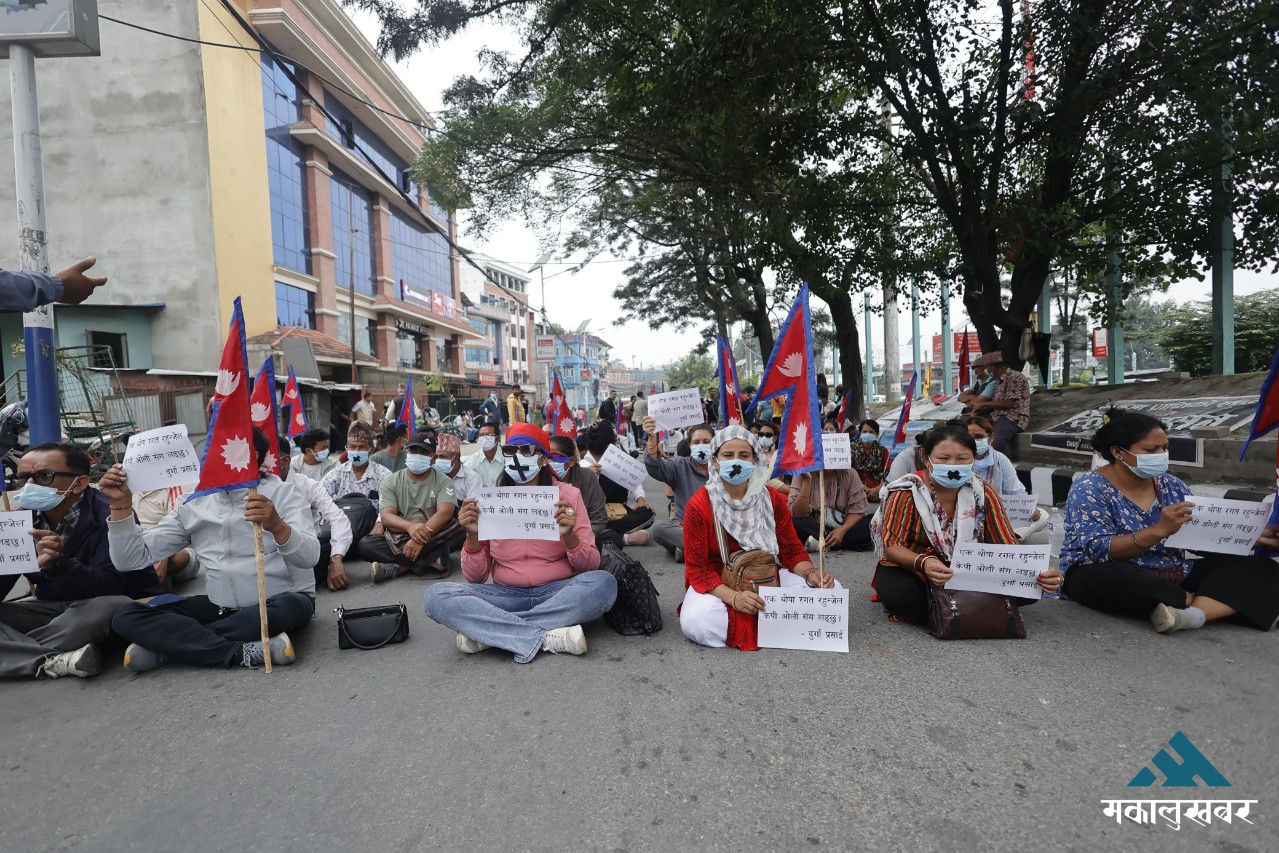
704	618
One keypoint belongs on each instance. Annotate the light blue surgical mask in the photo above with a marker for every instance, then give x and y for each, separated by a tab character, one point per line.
358	458
765	442
952	476
736	471
983	445
321	455
868	437
38	498
700	453
444	466
417	463
560	468
1149	465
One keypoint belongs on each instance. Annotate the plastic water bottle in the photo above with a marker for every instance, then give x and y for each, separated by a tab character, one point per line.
1056	535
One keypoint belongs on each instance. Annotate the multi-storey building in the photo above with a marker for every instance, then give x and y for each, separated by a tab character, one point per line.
582	361
270	162
498	311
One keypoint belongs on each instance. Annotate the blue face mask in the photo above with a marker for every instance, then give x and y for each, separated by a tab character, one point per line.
321	455
358	458
417	463
444	466
1148	465
560	468
38	498
700	453
952	476
983	445
736	471
765	442
868	437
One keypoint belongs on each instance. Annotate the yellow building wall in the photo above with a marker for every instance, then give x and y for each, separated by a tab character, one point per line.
237	172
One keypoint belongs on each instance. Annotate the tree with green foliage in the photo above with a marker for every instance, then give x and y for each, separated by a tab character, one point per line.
694	370
1187	334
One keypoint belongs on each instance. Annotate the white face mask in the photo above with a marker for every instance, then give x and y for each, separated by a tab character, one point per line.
487	442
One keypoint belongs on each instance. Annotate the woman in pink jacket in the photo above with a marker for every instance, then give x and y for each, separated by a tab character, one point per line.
542	591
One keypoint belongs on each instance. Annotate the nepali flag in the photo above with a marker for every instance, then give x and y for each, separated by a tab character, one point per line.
789	374
1264	420
406	408
230	461
964	381
841	417
265	415
293	405
730	393
900	435
562	422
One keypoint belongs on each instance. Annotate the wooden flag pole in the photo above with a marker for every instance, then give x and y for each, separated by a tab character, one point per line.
821	530
260	552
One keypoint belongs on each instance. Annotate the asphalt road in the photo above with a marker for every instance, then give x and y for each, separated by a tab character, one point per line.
905	743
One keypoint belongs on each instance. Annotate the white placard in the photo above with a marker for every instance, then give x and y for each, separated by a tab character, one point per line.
160	458
519	512
1004	569
676	408
622	469
1020	508
1220	526
803	618
837	452
17	547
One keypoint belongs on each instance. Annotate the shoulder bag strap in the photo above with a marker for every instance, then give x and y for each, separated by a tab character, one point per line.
719	536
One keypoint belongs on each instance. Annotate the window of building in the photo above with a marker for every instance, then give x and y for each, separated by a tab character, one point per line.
294	306
346	132
114	352
442	361
420	259
286	170
368	147
523	333
515	354
353	210
366	333
523	354
407	352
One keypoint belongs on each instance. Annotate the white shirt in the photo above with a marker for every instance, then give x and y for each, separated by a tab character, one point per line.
466	483
214	525
323	507
315	472
488	470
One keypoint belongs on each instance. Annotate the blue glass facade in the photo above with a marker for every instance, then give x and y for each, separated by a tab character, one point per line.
367	142
419	259
353	208
294	306
286	170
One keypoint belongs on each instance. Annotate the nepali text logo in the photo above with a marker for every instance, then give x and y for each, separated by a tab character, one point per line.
1193	770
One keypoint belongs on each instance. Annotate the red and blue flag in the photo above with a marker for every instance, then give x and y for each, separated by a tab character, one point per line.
293	406
265	414
230	461
900	435
562	422
845	405
964	380
730	393
405	415
789	374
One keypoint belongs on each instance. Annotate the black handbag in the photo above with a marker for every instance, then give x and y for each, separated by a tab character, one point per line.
968	615
636	610
372	627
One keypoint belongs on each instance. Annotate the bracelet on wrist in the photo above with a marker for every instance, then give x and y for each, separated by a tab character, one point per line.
1137	542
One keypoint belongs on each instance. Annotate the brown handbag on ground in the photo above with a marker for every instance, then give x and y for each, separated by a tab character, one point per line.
746	569
616	511
967	615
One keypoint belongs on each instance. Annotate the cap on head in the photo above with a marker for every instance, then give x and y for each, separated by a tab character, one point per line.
448	443
423	441
991	358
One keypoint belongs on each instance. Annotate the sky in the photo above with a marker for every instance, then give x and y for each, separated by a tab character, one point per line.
586	296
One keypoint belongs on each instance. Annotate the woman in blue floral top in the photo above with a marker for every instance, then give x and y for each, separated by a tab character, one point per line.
1114	557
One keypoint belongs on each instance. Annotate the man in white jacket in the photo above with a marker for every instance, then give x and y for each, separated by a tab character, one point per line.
221	627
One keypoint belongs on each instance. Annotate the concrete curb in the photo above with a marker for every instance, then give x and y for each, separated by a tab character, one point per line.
1045	481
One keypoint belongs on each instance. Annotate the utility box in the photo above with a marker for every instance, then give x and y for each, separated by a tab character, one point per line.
50	27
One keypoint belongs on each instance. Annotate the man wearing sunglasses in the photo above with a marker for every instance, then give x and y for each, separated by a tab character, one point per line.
77	589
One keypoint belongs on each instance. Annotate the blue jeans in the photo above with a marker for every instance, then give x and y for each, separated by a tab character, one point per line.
517	618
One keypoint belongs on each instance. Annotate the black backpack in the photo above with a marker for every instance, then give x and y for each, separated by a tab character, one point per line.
636	610
361	512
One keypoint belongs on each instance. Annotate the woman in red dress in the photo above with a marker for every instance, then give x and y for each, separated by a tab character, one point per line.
752	516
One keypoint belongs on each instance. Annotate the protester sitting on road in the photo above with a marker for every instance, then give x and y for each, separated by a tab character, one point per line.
359	474
28	289
983	387
332	527
487	461
1114	555
418	508
870	458
542	591
752	516
221	627
923	517
630	522
911	460
77	589
563	461
391	456
151	508
1009	409
316	461
684	474
999	473
846	523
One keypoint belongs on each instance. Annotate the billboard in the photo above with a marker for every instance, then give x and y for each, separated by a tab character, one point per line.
544	348
974	346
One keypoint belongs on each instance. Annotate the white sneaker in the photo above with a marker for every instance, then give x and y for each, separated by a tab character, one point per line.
566	641
467	646
81	663
811	545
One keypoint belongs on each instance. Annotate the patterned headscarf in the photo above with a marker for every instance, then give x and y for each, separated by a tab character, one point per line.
750	520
